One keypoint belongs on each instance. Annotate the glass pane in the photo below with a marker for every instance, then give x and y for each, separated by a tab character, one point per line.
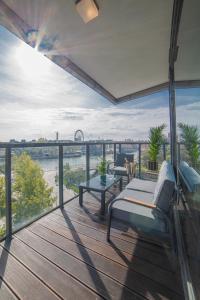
34	183
189	165
2	194
74	169
110	152
150	169
96	155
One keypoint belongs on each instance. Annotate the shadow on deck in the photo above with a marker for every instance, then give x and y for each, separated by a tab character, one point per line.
65	255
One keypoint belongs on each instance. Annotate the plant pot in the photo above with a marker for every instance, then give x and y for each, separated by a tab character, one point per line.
103	179
152	165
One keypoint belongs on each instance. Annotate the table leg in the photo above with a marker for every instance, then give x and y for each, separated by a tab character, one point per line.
102	212
80	196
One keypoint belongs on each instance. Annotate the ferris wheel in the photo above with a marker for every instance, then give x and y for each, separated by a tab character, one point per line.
78	136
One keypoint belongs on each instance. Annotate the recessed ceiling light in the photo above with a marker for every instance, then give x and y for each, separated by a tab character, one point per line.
87	9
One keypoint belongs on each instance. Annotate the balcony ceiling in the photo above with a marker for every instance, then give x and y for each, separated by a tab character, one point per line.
122	52
188	63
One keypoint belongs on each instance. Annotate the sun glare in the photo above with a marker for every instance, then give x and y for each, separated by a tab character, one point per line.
32	63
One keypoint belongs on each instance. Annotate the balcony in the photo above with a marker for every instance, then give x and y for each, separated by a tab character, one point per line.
51	247
62	252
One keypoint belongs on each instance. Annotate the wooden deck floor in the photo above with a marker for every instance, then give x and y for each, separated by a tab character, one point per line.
65	255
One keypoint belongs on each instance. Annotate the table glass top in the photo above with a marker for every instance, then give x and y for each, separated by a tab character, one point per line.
100	183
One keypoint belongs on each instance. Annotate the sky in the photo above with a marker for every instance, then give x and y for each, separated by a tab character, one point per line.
37	98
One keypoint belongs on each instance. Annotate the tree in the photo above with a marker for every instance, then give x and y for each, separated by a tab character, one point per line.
156	139
31	193
190	138
72	178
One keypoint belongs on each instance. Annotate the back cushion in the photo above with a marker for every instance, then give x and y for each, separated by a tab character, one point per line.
122	157
164	187
191	177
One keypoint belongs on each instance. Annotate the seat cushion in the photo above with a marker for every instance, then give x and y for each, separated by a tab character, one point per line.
165	187
138	195
142	185
119	171
143	219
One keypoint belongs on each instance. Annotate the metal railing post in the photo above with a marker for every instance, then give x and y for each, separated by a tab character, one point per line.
179	152
87	161
61	176
139	158
104	151
164	151
120	148
8	193
115	152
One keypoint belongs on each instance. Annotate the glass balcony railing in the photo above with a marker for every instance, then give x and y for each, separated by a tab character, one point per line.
36	178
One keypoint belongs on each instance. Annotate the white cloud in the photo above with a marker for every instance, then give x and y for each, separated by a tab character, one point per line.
37	107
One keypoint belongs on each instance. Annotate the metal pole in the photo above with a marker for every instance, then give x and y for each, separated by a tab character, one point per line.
139	149
172	112
173	54
164	151
115	152
120	148
179	153
88	161
61	176
8	194
104	151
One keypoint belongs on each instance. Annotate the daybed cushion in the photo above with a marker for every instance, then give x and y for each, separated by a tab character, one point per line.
138	195
164	187
142	185
143	219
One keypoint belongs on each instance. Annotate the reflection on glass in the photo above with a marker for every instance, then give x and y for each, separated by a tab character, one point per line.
2	193
74	169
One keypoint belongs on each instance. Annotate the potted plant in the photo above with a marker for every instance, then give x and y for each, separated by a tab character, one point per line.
191	139
102	168
156	139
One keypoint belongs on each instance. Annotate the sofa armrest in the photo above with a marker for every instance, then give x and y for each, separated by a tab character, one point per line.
109	164
138	202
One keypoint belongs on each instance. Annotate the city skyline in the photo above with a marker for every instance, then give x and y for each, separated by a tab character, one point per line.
38	98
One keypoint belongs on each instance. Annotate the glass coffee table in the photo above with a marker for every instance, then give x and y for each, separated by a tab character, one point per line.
97	184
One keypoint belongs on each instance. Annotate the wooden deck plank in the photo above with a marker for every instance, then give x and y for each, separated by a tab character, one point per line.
91	222
126	246
97	281
88	216
96	238
158	274
5	292
105	265
22	282
65	255
59	281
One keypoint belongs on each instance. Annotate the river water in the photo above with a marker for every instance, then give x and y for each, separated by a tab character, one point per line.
50	168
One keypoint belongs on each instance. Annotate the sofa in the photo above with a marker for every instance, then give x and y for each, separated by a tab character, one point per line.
146	206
